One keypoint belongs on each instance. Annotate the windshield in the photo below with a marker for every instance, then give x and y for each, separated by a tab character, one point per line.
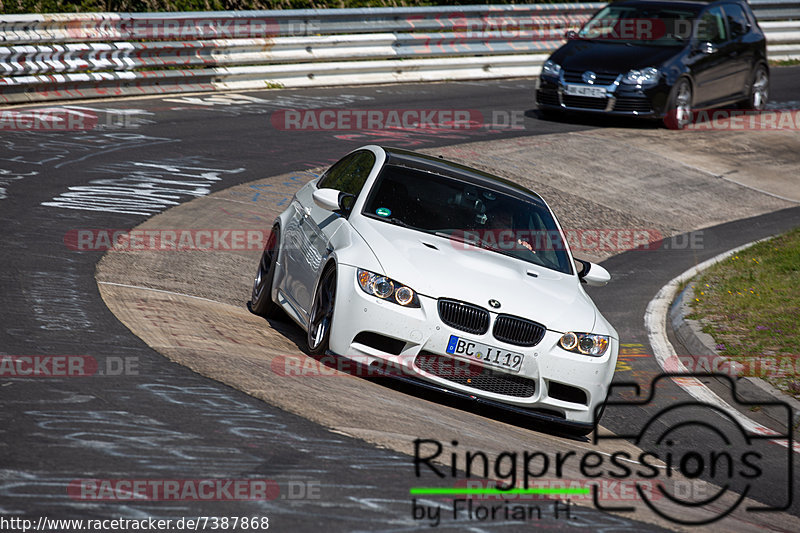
650	25
469	215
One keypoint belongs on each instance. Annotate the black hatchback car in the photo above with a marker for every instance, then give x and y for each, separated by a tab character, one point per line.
659	59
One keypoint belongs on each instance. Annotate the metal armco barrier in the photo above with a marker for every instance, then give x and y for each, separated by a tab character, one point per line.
93	55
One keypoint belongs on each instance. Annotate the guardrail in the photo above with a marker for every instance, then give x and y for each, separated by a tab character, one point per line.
66	56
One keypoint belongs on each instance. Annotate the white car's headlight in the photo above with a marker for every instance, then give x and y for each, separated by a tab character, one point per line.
584	343
386	288
551	68
645	76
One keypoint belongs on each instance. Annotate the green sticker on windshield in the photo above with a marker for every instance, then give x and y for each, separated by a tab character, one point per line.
383	211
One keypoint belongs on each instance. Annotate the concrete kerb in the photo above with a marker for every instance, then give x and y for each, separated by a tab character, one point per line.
700	344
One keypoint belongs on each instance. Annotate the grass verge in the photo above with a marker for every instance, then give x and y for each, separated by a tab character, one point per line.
784	62
750	304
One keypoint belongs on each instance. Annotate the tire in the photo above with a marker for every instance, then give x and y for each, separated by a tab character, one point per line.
261	298
759	90
321	319
679	108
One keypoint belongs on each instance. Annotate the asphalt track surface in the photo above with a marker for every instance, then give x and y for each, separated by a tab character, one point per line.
158	420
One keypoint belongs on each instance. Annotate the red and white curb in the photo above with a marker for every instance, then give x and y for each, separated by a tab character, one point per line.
655	322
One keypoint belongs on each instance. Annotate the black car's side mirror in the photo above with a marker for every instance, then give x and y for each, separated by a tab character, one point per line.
707	47
571	34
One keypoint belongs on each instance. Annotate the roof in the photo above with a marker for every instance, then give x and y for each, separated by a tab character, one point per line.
695	3
443	167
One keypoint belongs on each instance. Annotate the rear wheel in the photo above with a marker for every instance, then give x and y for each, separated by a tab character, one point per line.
261	299
321	319
679	109
759	90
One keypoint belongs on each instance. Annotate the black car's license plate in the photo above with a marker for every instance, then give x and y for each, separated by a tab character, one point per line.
488	355
585	90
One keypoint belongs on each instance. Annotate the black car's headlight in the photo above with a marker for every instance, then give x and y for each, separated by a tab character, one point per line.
551	68
386	288
644	77
584	343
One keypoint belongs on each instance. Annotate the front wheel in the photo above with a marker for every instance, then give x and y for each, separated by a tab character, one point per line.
759	90
261	298
321	319
679	109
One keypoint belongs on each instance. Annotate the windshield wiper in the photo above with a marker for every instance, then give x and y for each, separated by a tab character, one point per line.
402	223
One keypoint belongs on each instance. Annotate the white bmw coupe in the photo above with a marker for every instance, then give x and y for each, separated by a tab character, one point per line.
461	279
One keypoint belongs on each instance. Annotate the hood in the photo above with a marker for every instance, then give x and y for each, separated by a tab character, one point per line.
438	267
599	56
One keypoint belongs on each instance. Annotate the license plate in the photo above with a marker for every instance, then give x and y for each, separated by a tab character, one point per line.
586	90
488	355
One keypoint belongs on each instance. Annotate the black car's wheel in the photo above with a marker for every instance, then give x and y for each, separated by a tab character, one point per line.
679	109
319	324
759	90
261	299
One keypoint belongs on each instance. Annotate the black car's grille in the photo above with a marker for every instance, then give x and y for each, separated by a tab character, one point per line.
629	105
515	330
602	78
547	98
475	376
463	316
585	102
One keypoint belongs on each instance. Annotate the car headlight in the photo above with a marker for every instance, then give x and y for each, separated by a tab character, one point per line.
551	68
386	288
645	76
584	343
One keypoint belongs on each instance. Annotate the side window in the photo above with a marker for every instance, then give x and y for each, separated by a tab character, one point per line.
737	20
333	174
711	27
349	174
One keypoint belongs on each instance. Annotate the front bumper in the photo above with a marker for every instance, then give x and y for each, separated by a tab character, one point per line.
620	100
551	381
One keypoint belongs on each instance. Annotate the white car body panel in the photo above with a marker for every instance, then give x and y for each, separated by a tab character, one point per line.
462	272
314	238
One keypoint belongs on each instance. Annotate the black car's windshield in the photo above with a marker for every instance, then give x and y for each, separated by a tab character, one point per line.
469	214
638	24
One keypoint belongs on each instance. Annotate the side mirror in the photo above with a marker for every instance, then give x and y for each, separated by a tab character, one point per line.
571	34
707	48
326	199
591	273
333	200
